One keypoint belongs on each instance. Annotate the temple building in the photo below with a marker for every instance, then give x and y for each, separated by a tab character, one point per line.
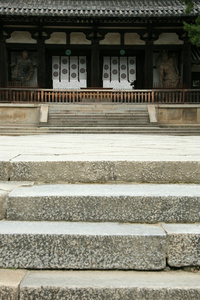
108	44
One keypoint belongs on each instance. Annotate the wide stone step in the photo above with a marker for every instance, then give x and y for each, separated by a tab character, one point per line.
96	124
99	115
95	168
99	285
99	121
138	203
62	245
106	129
81	118
97	108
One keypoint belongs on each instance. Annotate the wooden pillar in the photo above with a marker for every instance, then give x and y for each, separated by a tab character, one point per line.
187	65
95	63
140	71
148	69
41	61
3	62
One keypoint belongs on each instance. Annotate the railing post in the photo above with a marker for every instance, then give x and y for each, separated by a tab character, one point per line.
42	96
152	96
183	96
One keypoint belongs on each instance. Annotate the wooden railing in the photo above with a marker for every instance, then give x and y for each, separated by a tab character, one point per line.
34	95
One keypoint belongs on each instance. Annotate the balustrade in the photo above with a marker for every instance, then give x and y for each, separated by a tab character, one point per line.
35	95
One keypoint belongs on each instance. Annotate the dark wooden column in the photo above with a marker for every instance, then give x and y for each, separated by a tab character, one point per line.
40	37
95	63
149	37
3	61
187	65
148	65
41	59
95	37
186	60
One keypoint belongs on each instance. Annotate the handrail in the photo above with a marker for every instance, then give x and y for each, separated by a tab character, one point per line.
35	95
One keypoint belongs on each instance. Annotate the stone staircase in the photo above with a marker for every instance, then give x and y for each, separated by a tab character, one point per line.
98	115
87	229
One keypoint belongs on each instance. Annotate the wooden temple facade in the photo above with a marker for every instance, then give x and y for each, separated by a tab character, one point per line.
64	50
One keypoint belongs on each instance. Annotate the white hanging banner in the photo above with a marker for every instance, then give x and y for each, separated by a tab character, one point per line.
132	68
123	69
65	68
55	68
106	72
69	72
114	69
119	72
82	68
74	68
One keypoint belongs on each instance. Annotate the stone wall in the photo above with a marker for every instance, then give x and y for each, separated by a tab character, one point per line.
178	114
19	114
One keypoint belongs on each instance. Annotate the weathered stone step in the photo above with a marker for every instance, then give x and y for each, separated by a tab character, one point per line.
91	120
62	245
80	118
99	115
82	122
69	245
183	244
104	131
101	285
95	124
96	169
138	203
99	119
97	108
10	283
133	129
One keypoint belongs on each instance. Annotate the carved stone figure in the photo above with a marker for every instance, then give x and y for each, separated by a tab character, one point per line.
168	70
23	68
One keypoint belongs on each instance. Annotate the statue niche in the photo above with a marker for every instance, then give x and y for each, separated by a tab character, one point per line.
168	72
22	68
